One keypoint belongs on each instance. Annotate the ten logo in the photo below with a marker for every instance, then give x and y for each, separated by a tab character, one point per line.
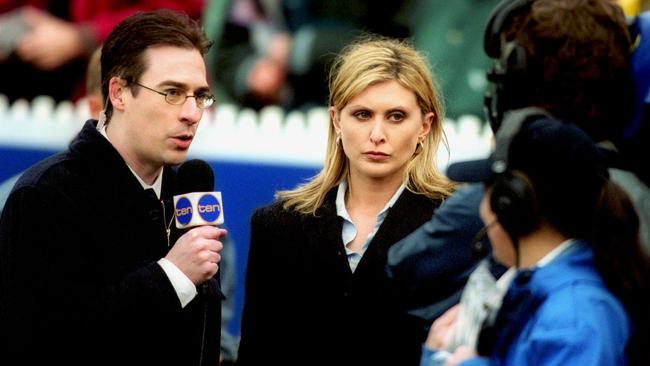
184	211
198	208
209	208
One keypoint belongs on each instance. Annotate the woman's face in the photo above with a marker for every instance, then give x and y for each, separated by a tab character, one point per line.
502	248
380	129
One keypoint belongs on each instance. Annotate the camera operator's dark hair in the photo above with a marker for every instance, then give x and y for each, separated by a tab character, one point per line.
577	63
623	264
123	51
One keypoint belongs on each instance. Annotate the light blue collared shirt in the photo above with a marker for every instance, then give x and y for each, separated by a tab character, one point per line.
349	231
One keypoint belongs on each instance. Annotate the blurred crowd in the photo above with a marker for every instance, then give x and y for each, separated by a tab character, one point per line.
266	52
271	52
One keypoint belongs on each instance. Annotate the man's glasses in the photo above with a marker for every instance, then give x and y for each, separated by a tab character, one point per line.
177	96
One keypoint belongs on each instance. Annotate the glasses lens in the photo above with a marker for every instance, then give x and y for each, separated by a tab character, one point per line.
174	97
204	101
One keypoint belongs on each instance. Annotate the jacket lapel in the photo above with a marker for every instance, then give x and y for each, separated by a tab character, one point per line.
325	236
408	213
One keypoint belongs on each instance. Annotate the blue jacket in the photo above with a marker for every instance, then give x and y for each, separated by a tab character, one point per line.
430	267
559	314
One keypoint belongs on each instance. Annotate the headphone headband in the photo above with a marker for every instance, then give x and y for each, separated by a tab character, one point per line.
499	16
508	74
513	122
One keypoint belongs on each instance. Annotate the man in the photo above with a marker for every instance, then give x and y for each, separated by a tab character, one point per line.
570	58
92	270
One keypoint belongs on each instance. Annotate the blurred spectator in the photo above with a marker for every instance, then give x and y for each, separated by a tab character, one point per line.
229	342
277	52
44	45
634	7
94	84
451	35
637	131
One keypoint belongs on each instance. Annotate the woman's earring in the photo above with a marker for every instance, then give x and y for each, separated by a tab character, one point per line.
418	148
338	139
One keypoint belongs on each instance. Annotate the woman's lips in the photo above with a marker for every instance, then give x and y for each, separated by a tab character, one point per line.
376	155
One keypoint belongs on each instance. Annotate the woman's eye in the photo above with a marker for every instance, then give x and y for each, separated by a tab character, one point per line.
396	117
363	115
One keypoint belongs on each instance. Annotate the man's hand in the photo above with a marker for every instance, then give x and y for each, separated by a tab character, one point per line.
196	253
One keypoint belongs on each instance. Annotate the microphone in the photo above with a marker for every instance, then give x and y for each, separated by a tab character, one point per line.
197	204
478	247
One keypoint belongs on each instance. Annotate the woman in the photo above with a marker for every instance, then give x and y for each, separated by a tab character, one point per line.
579	294
316	292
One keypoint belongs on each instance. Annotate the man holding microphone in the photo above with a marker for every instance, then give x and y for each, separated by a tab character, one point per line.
92	268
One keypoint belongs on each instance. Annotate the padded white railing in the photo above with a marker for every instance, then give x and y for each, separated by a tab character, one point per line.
226	132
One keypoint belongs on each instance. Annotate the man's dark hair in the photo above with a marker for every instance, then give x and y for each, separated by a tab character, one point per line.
123	51
577	55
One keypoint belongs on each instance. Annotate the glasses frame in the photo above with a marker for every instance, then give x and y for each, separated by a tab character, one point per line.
200	100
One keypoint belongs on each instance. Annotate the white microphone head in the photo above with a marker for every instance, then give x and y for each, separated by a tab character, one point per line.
197	209
197	205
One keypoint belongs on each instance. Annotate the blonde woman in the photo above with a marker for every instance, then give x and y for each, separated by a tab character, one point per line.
316	291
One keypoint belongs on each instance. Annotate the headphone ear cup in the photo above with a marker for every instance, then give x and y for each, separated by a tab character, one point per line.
513	201
508	74
509	85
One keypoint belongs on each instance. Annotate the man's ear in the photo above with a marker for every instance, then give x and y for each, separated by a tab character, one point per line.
116	89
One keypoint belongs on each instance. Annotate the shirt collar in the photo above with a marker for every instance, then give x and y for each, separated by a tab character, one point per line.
157	184
342	211
556	252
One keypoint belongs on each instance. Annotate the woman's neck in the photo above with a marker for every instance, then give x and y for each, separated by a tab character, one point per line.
538	244
369	195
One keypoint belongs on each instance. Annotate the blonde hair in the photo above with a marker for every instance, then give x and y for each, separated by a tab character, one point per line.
364	63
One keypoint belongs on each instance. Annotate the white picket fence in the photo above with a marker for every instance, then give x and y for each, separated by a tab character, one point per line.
226	133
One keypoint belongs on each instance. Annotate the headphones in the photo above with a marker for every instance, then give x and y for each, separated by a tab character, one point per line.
513	197
510	64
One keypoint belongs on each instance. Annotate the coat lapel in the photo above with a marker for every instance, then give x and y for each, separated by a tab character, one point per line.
408	213
325	237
